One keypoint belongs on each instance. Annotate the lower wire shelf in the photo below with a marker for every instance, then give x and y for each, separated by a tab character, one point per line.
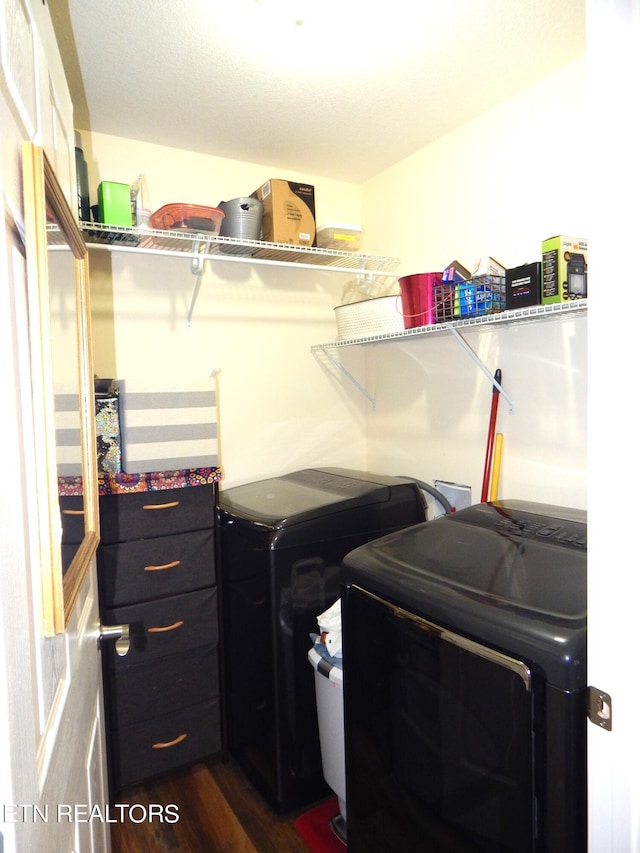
562	310
533	313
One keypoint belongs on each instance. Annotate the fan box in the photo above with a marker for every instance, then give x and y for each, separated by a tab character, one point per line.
564	269
289	212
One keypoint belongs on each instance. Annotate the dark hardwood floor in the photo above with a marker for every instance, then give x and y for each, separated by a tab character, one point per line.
220	812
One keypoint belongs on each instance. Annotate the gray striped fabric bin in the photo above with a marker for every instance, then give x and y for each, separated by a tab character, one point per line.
168	428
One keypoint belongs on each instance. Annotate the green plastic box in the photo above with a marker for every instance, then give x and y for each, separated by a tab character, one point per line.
114	203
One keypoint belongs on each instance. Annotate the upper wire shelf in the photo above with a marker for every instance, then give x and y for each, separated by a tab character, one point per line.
202	246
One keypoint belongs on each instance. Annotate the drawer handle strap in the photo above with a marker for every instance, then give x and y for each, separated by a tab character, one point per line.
178	740
162	568
166	628
73	512
161	506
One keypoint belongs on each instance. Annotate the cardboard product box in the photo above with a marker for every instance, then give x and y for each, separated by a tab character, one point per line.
488	267
564	269
523	285
455	272
289	214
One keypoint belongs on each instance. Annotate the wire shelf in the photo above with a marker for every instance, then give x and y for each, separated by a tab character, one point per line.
553	311
206	246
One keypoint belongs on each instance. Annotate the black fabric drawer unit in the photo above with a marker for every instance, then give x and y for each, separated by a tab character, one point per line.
142	515
165	743
147	569
157	575
167	626
155	689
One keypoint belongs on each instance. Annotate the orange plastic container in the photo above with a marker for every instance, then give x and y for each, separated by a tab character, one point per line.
188	217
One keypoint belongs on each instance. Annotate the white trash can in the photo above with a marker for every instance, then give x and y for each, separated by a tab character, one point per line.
328	683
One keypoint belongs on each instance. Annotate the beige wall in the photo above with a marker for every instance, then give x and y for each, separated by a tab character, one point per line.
280	410
497	186
176	176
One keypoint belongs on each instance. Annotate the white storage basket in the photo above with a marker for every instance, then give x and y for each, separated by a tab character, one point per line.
379	316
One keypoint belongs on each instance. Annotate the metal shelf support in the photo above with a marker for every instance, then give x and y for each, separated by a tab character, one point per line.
343	370
535	313
202	247
483	368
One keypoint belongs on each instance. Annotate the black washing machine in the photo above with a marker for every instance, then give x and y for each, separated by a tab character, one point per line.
282	541
464	644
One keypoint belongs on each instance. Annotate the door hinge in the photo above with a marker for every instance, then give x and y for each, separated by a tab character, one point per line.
599	708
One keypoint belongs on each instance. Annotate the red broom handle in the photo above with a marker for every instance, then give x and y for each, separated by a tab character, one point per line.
495	398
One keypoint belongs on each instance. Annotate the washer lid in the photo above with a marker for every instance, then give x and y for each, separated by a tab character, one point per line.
306	494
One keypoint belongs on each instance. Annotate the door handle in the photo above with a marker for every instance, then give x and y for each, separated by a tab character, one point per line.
119	633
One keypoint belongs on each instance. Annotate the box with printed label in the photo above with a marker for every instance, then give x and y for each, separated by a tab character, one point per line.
564	269
289	212
523	285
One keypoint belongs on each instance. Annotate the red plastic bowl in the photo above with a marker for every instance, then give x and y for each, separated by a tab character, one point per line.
188	217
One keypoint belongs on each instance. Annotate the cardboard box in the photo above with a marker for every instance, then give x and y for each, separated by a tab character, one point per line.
488	266
564	269
523	285
289	214
455	272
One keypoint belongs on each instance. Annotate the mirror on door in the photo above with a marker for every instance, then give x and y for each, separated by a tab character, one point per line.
65	481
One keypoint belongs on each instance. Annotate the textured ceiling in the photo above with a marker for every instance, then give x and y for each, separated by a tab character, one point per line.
353	89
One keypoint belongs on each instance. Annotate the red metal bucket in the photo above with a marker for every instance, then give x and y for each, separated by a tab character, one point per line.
417	295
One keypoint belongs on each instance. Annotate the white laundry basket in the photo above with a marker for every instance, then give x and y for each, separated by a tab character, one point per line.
328	682
381	315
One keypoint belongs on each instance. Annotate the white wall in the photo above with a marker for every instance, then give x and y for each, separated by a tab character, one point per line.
280	410
497	186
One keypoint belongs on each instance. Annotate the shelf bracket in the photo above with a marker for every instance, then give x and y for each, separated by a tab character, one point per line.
343	370
197	268
483	368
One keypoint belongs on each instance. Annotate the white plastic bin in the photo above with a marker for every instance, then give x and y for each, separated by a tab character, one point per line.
328	682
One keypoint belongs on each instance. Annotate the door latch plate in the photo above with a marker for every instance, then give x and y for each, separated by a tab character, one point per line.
599	708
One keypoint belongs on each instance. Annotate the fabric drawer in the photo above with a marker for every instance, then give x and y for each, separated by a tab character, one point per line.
72	518
167	626
147	569
165	743
163	686
143	515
